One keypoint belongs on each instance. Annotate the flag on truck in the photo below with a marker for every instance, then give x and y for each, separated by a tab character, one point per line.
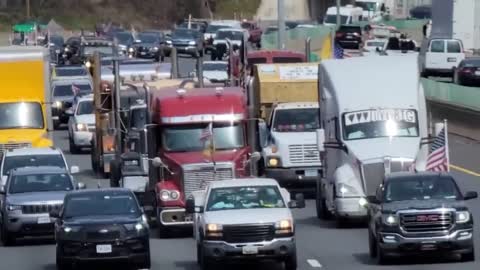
438	159
339	52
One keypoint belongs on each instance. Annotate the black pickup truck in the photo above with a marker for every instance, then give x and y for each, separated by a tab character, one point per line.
416	213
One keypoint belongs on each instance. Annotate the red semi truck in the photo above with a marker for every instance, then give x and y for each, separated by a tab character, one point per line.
183	163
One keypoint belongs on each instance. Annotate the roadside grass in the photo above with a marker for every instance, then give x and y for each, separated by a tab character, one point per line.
229	9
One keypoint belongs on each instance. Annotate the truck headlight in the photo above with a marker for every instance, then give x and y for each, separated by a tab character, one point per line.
462	216
169	195
57	104
192	43
214	230
284	227
344	190
273	162
390	220
81	127
12	207
130	50
155	49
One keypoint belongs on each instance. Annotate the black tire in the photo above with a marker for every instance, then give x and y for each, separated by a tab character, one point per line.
291	262
60	261
199	253
468	257
73	148
213	56
382	259
372	245
56	124
146	264
321	204
163	231
8	239
206	264
341	222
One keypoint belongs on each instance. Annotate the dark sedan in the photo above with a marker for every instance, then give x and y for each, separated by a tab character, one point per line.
186	41
150	45
349	37
468	72
103	225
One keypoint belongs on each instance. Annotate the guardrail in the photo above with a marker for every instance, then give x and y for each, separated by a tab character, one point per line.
454	95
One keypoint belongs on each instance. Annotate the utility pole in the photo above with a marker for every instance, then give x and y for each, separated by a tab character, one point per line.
339	20
281	24
28	8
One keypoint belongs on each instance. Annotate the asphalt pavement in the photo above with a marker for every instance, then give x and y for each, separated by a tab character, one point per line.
320	245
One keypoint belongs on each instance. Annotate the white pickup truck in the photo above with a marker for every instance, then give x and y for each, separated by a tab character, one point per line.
244	219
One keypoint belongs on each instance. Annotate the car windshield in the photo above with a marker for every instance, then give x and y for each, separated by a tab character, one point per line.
101	204
67	90
64	72
296	120
14	162
188	138
472	63
85	107
233	35
233	198
21	115
215	67
421	188
369	124
212	28
124	38
147	38
184	33
104	50
40	183
332	19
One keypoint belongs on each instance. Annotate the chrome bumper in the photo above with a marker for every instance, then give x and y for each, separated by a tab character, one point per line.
218	250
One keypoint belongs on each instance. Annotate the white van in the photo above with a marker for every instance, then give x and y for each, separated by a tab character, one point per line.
440	56
371	8
369	129
348	15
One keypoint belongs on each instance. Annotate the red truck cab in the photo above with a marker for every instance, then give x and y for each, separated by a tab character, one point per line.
182	118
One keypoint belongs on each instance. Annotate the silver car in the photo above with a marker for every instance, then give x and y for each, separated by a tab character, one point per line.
27	198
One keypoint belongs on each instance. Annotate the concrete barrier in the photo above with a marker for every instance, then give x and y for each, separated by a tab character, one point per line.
462	97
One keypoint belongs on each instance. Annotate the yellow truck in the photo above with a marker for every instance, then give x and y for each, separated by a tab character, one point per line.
286	97
25	107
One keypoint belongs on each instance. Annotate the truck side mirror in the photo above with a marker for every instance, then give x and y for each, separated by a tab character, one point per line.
254	157
320	140
470	195
190	206
81	186
157	162
4	179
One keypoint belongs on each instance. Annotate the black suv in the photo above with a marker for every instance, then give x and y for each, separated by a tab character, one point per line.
415	213
349	37
101	225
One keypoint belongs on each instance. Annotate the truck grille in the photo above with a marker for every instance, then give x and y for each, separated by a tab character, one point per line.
374	173
10	146
426	222
39	208
304	153
248	233
107	236
197	178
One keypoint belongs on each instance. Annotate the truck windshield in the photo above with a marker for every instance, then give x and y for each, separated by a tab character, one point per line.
421	188
233	198
64	72
67	90
101	204
187	138
296	120
369	124
13	162
40	183
21	115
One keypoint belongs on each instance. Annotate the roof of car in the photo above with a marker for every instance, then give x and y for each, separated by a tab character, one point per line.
40	169
72	80
215	62
403	175
31	151
106	191
240	182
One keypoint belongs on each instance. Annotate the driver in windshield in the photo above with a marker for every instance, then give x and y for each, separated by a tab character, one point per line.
267	199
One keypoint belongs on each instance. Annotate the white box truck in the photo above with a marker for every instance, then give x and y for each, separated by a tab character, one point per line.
466	23
370	128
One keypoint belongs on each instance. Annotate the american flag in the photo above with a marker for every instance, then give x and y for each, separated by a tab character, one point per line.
437	160
339	52
207	133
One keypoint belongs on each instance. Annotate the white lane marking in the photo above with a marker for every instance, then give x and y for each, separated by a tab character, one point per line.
314	263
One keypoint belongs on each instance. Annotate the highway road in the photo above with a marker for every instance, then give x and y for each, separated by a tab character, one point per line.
320	245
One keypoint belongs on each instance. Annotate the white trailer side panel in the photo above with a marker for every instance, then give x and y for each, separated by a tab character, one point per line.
464	23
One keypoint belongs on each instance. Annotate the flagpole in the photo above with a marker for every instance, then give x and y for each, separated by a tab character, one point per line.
447	150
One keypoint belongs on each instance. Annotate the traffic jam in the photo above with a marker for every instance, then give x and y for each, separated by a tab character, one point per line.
228	152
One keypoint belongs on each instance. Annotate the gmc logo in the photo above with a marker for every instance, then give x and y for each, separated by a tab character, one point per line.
426	218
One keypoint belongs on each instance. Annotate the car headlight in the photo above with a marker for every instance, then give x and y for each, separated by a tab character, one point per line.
81	127
12	207
273	162
155	48
462	216
169	195
68	229
130	49
57	104
88	64
344	190
137	227
214	230
67	49
169	42
362	202
390	219
57	51
192	43
284	227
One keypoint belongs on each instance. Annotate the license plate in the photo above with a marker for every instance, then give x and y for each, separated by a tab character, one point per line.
43	220
102	249
428	247
249	250
311	173
451	59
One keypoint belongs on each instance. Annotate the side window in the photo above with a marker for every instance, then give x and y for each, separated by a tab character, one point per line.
437	46
453	46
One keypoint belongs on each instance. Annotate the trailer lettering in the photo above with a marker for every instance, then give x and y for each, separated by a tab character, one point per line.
367	116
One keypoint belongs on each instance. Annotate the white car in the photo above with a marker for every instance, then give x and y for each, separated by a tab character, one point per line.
374	46
81	124
234	35
439	56
213	27
25	157
215	71
246	218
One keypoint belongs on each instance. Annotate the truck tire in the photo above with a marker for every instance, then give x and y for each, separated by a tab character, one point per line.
56	124
321	204
468	257
291	262
60	261
372	245
382	259
8	239
115	173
